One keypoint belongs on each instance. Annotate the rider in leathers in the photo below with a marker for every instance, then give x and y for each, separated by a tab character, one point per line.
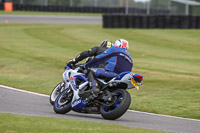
117	60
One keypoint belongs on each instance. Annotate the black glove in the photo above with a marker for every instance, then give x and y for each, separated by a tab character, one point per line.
71	63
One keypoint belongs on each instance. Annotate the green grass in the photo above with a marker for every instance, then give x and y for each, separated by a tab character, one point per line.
50	13
10	123
32	57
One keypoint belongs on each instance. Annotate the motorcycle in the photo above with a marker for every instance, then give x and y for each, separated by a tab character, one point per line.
111	98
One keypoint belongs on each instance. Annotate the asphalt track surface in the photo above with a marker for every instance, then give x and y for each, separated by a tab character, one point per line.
50	19
33	104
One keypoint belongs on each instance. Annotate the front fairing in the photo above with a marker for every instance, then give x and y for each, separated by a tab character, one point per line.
71	76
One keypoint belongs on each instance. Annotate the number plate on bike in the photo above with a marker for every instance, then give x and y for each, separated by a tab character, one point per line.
134	83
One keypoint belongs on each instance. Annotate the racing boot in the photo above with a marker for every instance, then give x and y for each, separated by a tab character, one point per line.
94	89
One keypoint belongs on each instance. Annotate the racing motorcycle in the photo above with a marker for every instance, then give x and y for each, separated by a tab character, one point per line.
110	99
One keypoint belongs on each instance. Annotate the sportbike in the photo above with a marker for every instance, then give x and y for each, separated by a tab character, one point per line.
111	98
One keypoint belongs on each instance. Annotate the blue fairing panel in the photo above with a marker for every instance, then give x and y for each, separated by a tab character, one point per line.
78	104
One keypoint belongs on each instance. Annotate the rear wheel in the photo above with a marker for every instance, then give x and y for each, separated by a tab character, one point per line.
119	107
56	91
62	104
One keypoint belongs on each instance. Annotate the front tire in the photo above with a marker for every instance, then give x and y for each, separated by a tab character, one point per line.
120	106
56	91
62	104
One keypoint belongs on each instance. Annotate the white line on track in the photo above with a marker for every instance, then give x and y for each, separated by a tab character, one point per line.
34	93
30	92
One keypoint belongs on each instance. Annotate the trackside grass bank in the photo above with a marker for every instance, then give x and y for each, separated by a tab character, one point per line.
33	56
10	123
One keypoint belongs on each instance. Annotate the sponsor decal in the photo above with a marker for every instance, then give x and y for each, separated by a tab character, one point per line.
76	102
72	78
126	57
109	44
124	43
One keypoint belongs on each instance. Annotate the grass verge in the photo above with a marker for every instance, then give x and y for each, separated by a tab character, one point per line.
10	123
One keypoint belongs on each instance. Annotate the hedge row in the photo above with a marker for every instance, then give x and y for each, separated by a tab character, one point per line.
151	21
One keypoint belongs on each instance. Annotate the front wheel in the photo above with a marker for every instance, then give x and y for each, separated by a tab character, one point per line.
56	91
119	107
62	104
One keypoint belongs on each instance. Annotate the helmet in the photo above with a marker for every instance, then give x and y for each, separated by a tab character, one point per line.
121	43
106	44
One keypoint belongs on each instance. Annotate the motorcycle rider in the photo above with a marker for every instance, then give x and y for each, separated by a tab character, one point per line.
117	58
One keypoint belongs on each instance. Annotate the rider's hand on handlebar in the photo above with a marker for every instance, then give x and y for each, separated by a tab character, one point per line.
71	63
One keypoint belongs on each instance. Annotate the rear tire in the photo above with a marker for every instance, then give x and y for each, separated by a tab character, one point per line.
62	104
118	108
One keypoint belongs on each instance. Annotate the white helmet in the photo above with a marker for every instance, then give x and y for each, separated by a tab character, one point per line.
121	43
